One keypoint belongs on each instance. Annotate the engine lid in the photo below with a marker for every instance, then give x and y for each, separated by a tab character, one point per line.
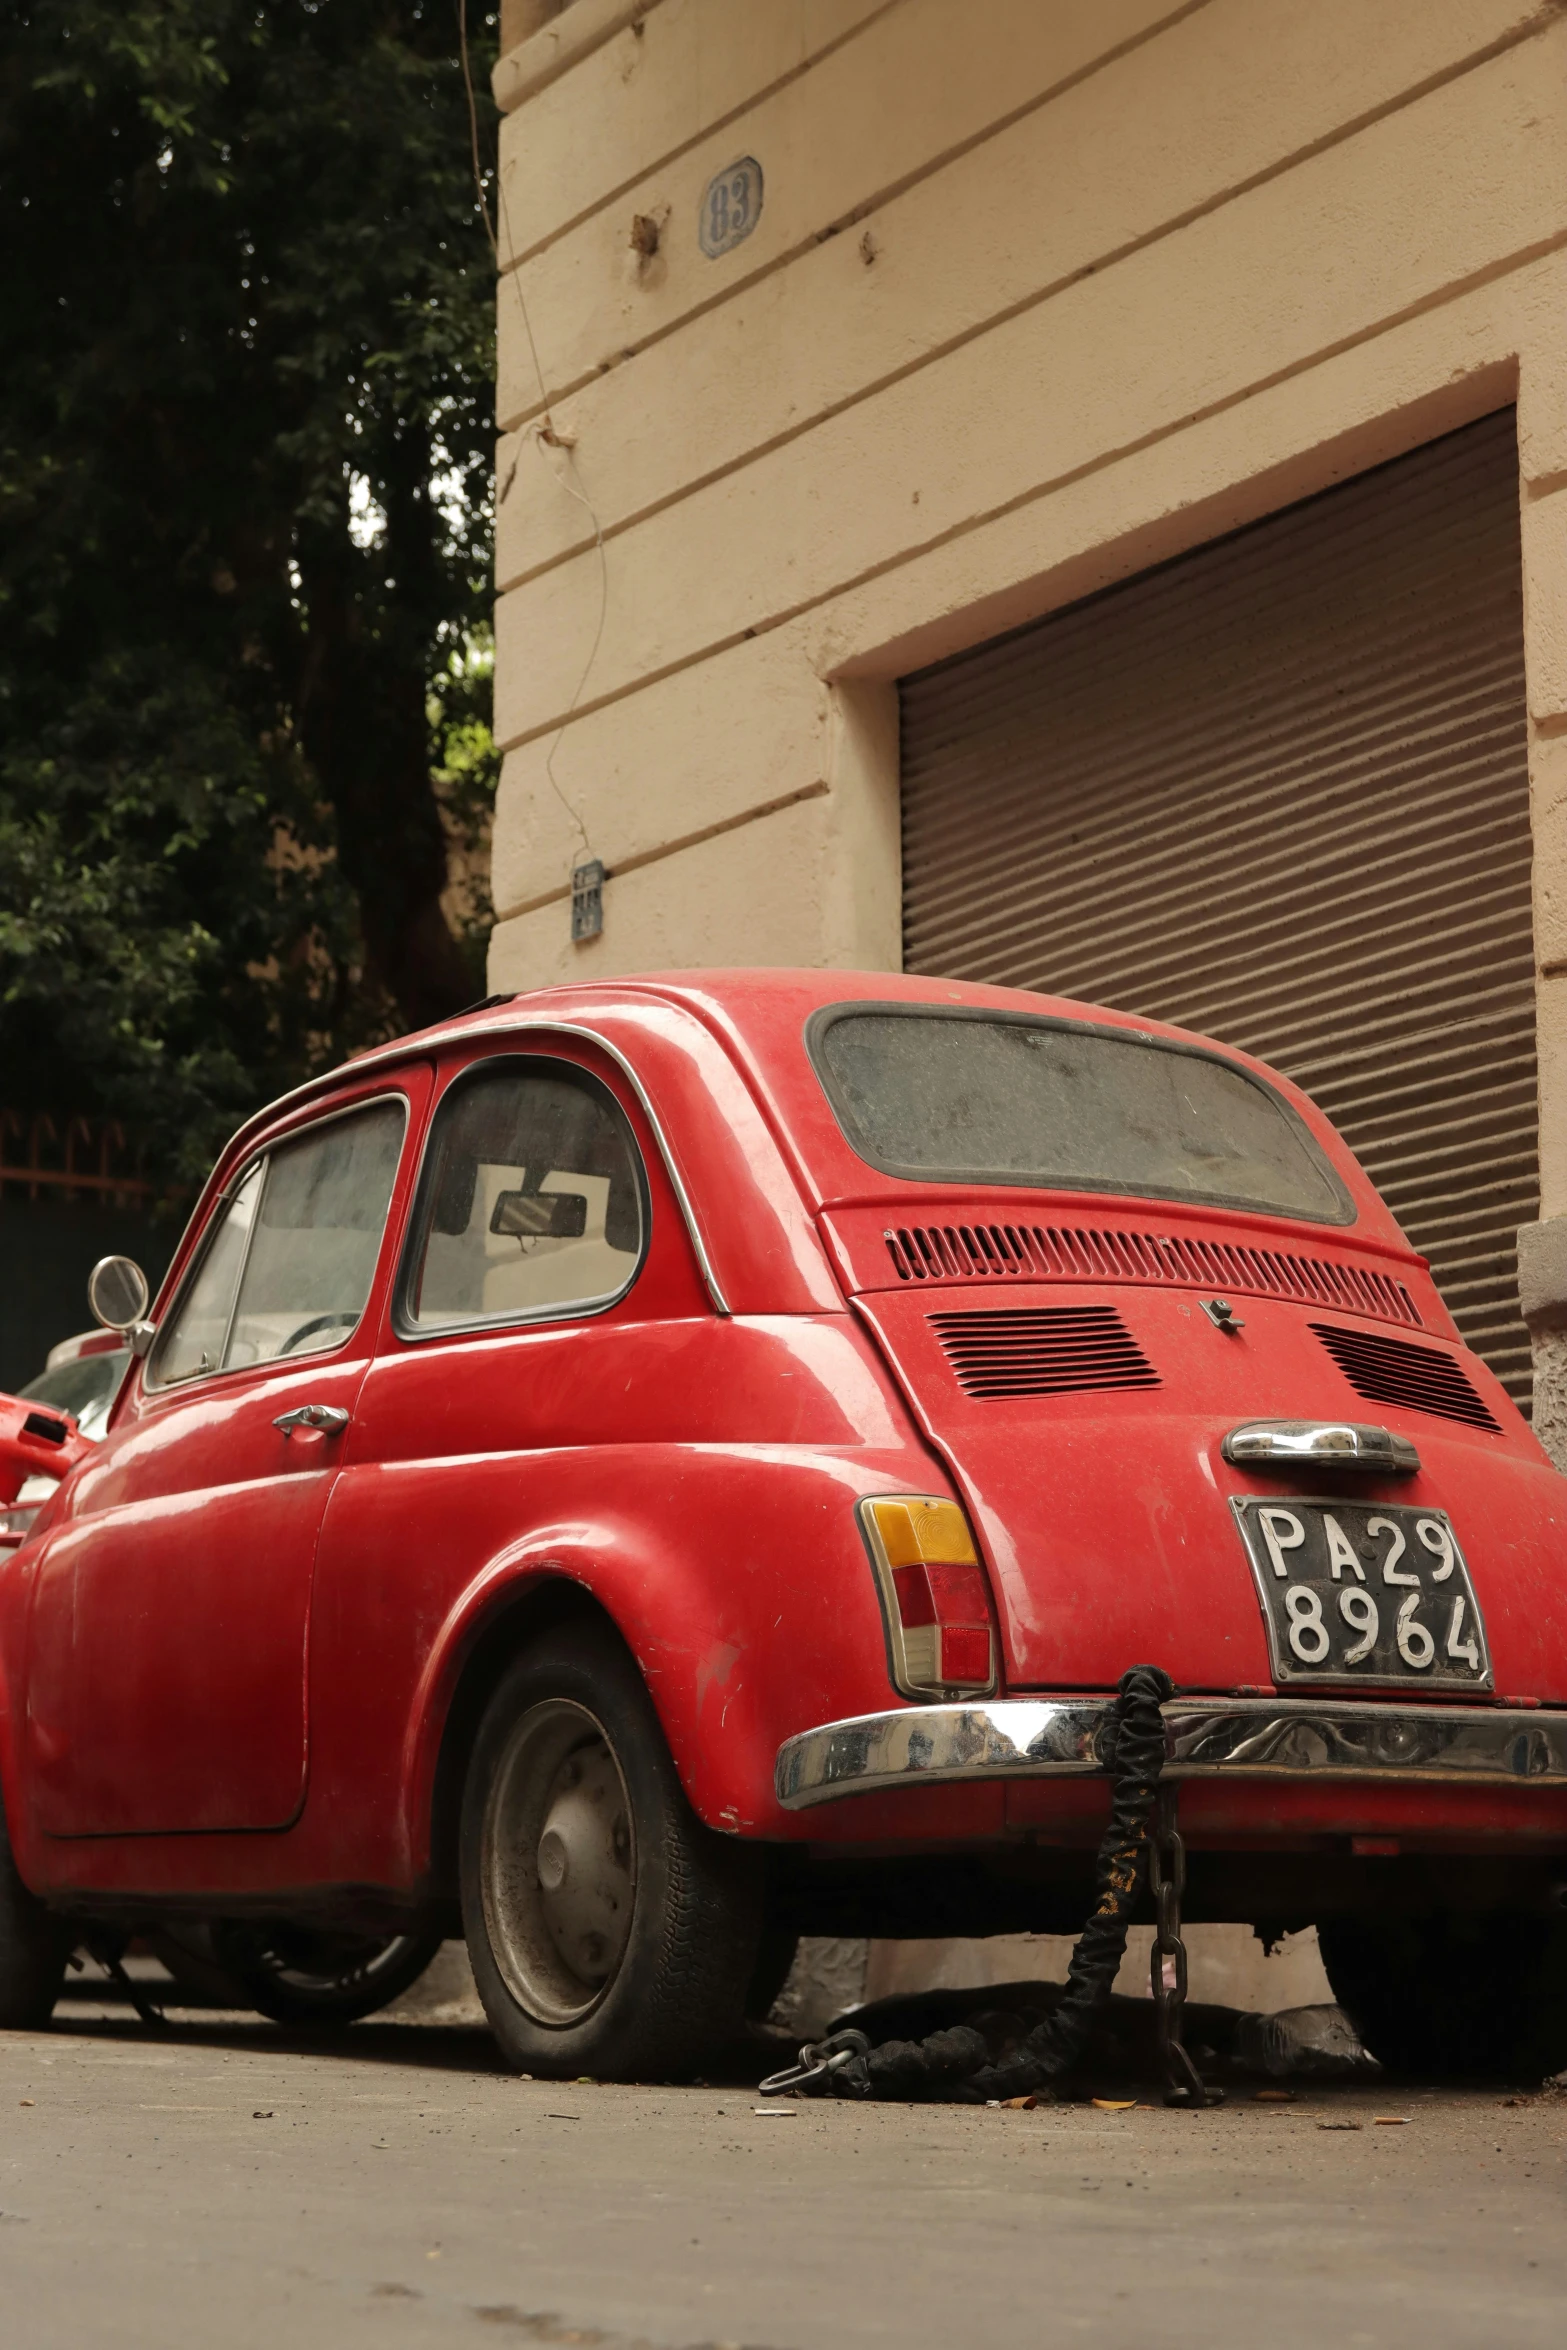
1085	1432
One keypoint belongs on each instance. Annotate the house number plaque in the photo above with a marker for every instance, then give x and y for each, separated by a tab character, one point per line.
731	206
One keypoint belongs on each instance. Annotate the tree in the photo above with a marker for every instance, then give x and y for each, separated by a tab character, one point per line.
244	545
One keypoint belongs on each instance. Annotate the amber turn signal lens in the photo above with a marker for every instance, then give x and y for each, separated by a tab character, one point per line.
916	1532
934	1595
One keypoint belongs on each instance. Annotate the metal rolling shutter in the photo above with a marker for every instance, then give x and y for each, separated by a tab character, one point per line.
1277	791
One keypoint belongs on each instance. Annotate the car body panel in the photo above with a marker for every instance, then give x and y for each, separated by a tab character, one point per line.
689	1457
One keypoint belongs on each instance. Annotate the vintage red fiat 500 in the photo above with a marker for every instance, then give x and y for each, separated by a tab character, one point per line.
647	1470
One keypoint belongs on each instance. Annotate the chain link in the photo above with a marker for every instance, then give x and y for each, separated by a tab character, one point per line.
1183	2084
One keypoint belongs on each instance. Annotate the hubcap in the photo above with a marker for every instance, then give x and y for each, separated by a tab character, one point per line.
558	1863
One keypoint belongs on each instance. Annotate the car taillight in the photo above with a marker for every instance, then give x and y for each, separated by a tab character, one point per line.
935	1598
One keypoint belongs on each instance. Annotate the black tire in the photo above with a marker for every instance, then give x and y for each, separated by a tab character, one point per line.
317	1981
1454	1995
33	1950
610	1932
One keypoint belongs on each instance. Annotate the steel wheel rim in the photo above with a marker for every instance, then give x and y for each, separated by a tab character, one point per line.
557	1863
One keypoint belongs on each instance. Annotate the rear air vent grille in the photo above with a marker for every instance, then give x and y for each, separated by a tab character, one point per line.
1048	1351
1390	1370
1039	1252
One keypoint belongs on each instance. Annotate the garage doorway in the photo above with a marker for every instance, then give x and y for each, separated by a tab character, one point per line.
1277	791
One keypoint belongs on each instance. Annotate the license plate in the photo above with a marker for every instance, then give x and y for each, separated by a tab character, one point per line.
1369	1593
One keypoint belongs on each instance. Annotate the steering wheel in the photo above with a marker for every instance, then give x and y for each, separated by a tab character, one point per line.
316	1322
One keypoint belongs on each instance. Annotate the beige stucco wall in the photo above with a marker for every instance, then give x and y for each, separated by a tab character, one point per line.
1039	293
1042	291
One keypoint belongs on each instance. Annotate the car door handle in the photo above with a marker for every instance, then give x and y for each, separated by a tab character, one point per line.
328	1417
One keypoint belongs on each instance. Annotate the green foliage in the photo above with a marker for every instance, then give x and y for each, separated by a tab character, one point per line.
466	771
244	546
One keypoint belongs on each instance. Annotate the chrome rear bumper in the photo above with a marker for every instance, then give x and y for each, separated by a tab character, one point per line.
1205	1737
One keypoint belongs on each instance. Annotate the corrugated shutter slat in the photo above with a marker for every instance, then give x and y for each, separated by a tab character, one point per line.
1277	791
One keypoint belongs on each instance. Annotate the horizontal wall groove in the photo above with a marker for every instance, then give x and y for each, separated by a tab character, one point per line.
709	130
869	206
1096	266
1156	437
672	848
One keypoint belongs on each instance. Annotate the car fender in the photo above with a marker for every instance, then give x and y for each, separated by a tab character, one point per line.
719	1567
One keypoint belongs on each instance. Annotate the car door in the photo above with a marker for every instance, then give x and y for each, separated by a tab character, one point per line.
171	1610
526	1312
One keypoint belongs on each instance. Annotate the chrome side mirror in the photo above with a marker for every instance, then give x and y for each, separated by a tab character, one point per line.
118	1297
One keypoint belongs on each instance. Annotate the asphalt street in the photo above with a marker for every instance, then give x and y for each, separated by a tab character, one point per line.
224	2184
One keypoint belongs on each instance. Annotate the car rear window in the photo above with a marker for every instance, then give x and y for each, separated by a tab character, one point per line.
531	1202
1065	1105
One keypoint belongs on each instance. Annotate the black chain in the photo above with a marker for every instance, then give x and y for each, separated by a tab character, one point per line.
1183	2084
109	1955
957	2066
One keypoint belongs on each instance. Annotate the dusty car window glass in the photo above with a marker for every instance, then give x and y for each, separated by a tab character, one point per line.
289	1264
531	1200
1051	1104
317	1233
193	1341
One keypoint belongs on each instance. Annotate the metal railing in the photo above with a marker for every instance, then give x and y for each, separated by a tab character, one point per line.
44	1156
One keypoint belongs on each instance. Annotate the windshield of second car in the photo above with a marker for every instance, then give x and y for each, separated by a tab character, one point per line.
85	1388
1057	1105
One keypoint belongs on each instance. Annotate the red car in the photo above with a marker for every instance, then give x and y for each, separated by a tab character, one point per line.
647	1470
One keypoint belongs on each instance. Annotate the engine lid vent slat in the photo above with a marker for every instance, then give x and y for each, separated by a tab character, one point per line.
1390	1370
1046	1252
1044	1350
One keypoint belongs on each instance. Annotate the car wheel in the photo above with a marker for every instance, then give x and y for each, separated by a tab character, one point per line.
300	1976
610	1932
1450	1994
34	1947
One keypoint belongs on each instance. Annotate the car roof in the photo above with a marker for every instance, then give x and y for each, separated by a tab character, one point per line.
760	1014
753	1022
759	1004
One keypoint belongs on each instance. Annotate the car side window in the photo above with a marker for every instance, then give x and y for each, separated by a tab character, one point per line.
287	1268
531	1201
193	1341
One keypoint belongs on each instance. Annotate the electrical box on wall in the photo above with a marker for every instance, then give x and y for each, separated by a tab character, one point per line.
587	899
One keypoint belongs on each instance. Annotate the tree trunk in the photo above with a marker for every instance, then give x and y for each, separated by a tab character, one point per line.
363	727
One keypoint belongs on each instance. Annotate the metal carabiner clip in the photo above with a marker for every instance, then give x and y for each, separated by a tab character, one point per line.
818	2060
